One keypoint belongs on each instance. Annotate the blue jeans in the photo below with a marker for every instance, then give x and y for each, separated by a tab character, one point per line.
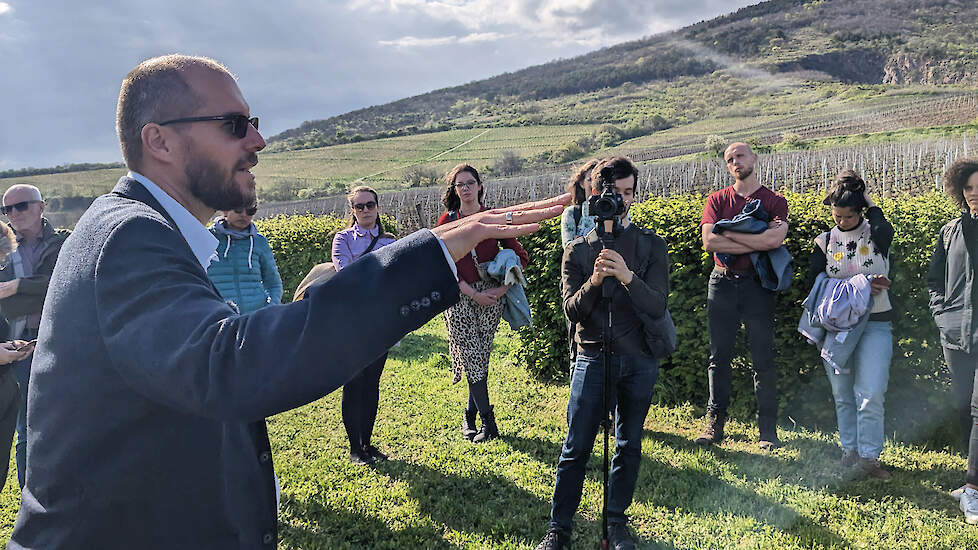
22	370
859	394
633	377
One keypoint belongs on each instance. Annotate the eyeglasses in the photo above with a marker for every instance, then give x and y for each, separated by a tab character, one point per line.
239	123
361	206
21	206
464	184
250	211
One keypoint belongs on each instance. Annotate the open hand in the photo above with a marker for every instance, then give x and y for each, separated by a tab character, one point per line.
461	236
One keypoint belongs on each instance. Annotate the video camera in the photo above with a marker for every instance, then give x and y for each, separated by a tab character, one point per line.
609	205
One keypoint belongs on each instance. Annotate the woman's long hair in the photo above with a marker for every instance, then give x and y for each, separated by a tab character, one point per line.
353	212
847	192
450	197
8	242
575	185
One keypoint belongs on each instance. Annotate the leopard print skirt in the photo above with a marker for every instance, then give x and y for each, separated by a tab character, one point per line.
471	329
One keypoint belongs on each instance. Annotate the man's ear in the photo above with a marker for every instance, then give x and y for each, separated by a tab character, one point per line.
157	142
42	207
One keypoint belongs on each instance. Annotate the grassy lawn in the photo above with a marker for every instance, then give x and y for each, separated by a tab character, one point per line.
440	491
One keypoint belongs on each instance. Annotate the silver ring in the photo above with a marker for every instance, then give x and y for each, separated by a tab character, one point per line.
509	218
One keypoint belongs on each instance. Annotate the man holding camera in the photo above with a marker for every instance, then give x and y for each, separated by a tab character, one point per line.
639	267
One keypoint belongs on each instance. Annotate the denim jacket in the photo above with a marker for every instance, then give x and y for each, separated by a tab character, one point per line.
506	269
774	267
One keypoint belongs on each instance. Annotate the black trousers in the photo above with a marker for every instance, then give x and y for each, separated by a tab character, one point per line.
730	301
360	398
964	385
9	404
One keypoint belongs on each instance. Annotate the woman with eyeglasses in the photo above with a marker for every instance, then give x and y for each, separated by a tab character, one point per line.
362	394
244	269
473	321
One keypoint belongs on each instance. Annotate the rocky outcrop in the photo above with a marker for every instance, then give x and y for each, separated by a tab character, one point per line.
914	68
864	66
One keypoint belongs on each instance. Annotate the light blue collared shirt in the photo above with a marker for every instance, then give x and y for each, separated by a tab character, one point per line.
201	241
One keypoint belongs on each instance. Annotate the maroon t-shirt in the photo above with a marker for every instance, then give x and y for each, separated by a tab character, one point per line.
725	204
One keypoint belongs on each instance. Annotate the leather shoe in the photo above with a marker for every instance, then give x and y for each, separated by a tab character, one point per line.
619	538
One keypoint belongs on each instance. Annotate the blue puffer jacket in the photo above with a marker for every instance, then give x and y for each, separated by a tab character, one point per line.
244	271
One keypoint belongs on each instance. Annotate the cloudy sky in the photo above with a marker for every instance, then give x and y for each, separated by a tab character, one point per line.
62	62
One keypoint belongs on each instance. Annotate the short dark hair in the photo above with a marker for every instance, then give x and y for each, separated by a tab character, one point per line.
621	167
847	191
450	197
956	178
575	185
156	91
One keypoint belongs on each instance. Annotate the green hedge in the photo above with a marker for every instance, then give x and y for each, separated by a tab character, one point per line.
917	399
300	242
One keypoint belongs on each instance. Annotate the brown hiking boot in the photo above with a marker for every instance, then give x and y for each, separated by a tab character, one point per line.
713	433
768	428
873	469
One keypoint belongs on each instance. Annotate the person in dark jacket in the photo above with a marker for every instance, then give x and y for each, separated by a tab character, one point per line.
244	270
952	298
25	277
148	391
640	265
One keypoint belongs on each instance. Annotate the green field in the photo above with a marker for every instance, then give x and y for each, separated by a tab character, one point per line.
440	491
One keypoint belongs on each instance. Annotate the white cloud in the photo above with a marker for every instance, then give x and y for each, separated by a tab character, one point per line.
415	42
4	8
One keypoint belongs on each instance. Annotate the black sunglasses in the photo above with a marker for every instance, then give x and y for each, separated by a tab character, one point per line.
239	123
361	206
250	211
21	206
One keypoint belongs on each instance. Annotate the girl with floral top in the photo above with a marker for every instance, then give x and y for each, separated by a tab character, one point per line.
362	394
859	243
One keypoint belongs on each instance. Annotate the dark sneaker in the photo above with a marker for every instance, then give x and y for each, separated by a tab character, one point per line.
360	458
374	453
554	540
619	538
848	459
873	469
768	428
713	433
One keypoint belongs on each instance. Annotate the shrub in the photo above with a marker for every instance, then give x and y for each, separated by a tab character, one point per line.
715	144
917	396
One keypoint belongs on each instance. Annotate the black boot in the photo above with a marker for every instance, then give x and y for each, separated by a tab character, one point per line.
713	433
468	425
489	430
768	428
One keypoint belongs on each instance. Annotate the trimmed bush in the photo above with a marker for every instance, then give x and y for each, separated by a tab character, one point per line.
917	400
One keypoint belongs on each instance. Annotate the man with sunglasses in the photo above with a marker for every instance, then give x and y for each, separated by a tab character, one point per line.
25	276
244	270
149	406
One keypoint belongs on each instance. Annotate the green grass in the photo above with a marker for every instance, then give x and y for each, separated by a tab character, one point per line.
440	491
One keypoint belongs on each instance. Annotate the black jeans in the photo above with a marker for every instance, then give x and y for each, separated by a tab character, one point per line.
964	384
730	300
360	397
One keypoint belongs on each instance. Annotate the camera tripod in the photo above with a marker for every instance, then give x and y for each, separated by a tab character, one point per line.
607	231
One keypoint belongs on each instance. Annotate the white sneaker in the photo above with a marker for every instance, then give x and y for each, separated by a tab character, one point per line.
969	505
956	494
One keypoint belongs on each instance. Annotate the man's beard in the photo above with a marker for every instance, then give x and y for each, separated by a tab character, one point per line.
745	174
216	188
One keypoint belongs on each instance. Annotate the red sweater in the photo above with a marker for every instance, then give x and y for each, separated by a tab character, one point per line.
485	251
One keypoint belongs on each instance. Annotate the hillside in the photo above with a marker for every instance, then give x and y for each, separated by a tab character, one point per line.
774	44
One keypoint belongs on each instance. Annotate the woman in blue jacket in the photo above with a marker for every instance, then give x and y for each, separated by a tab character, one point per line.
244	270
